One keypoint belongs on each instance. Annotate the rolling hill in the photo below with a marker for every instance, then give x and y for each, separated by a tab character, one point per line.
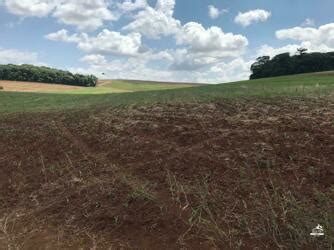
241	165
298	85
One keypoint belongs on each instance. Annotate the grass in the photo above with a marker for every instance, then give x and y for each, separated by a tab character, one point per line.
134	86
103	87
299	85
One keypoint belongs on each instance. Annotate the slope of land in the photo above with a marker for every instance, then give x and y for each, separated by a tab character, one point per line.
103	87
217	167
299	85
14	86
136	85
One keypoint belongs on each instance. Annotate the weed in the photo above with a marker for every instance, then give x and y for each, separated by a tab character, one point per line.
140	193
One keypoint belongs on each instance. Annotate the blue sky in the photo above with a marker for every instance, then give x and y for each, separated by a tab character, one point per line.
175	40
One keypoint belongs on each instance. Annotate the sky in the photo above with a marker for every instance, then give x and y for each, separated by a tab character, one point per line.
211	41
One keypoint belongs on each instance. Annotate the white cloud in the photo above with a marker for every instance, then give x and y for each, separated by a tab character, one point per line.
205	47
201	53
132	5
235	70
308	22
14	56
166	6
298	33
213	12
84	14
106	42
266	50
62	35
131	68
94	59
184	60
314	39
155	22
113	42
323	35
252	16
39	8
142	68
211	40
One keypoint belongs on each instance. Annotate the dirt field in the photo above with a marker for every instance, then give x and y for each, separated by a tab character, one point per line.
231	174
35	87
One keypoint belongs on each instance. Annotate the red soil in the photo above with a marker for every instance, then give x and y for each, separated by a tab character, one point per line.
247	173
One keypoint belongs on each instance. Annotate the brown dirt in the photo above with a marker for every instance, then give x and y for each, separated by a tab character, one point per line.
247	173
14	86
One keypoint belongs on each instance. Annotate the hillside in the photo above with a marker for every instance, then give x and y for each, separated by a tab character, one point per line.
298	85
103	87
243	165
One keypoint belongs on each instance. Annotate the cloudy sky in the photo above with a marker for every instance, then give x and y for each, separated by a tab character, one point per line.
174	40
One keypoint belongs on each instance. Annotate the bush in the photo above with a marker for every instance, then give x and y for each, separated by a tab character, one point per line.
284	64
1	88
32	73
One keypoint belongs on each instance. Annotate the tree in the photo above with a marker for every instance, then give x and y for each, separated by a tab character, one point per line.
284	64
301	51
32	73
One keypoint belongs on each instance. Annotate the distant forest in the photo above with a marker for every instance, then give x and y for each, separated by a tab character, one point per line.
284	64
30	73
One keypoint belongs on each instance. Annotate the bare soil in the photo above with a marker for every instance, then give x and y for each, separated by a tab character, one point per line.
14	86
232	174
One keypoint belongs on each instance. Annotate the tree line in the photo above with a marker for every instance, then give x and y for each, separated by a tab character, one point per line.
31	73
285	64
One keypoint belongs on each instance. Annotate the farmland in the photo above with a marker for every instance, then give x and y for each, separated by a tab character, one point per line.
104	87
294	86
238	165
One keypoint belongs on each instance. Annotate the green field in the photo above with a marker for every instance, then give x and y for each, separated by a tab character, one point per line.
123	86
299	85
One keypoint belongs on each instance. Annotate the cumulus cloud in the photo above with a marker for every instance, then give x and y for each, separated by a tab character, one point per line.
298	33
235	70
308	22
37	8
132	5
253	16
200	53
211	40
18	57
106	42
139	68
213	12
63	36
315	39
127	68
84	14
155	22
94	59
266	50
322	35
204	47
